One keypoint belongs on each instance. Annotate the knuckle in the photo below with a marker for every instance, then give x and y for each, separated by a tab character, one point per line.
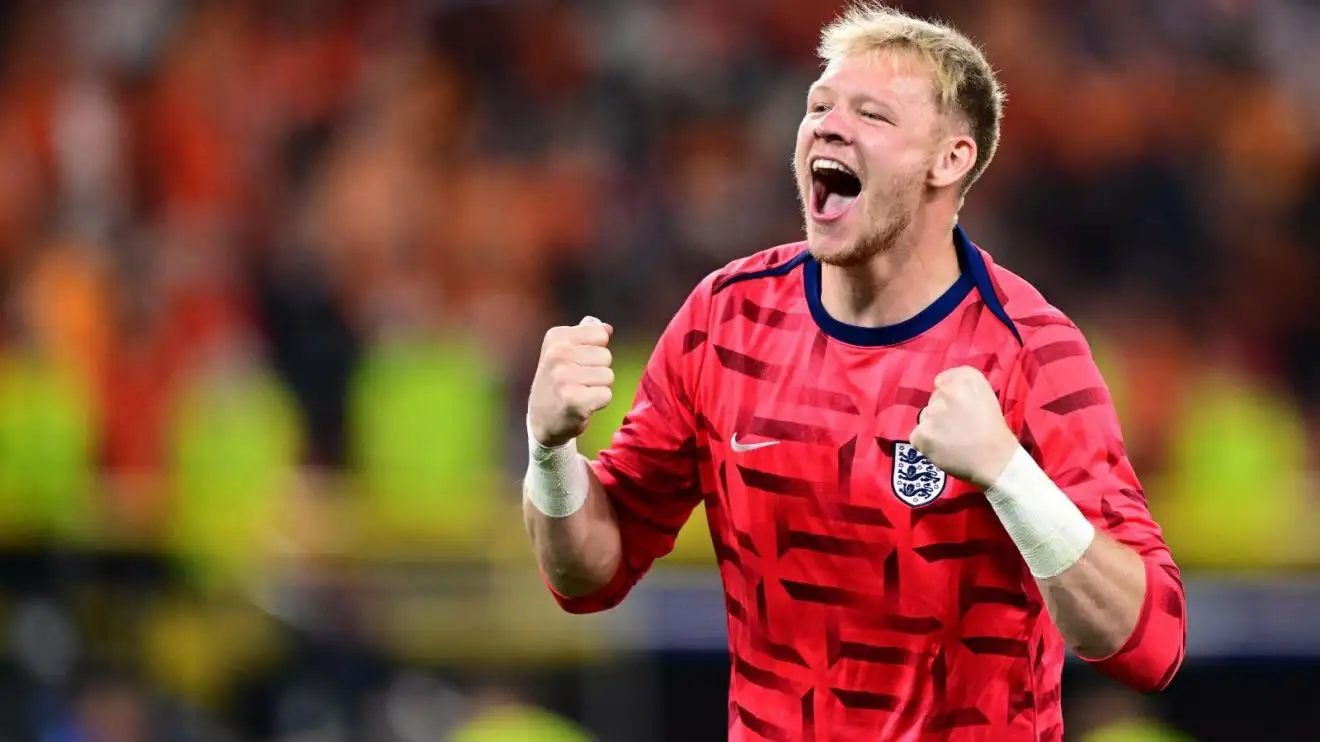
960	375
561	374
595	356
573	398
553	336
554	355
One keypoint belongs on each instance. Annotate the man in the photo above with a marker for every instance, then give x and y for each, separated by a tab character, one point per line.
913	473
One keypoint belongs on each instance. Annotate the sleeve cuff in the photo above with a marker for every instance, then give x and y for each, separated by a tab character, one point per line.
1154	650
1143	618
602	599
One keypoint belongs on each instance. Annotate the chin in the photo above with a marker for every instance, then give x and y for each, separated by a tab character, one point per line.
837	247
830	250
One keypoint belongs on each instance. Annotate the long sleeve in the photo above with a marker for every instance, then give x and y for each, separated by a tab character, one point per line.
649	470
1068	424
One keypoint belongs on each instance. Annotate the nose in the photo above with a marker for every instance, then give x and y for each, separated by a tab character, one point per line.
833	127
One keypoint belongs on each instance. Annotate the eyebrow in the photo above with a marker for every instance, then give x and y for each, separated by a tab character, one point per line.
860	97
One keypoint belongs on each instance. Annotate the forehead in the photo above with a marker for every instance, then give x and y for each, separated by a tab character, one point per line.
892	75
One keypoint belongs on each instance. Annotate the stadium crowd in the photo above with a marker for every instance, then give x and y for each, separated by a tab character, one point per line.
248	248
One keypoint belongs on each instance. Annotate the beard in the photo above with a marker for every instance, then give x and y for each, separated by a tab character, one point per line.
894	207
880	237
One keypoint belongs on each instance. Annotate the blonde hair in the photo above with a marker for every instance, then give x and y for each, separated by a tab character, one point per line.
965	83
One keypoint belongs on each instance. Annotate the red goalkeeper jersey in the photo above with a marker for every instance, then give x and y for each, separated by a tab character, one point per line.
869	595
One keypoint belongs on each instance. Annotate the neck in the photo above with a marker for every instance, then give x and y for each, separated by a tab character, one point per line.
896	284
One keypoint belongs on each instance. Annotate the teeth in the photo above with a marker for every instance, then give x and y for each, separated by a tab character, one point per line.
825	163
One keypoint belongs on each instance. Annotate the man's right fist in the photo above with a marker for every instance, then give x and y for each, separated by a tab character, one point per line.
572	381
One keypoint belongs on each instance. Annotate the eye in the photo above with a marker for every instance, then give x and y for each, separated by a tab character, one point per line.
818	107
873	116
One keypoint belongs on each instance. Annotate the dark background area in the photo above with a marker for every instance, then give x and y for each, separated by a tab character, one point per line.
273	276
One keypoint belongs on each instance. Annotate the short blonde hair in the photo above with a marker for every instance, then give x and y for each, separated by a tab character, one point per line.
964	81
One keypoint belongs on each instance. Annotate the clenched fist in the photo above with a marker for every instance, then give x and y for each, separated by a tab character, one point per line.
962	430
572	381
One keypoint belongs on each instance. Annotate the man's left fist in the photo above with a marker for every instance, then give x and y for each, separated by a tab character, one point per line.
962	430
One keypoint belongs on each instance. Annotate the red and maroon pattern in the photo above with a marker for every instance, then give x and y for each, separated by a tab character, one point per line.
851	614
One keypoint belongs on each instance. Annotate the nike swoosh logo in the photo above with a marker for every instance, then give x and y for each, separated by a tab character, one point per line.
745	447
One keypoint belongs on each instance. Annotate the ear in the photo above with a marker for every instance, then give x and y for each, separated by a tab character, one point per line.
954	160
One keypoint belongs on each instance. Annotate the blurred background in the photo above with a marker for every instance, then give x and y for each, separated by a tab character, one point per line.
273	277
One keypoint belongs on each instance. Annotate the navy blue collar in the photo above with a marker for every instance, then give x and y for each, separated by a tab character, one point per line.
975	274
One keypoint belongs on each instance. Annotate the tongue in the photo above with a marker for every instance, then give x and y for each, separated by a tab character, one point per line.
837	203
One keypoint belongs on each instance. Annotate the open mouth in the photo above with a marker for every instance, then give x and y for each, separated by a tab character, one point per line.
834	188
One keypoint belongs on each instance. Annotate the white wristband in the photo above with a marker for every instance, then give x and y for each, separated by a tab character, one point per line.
557	479
1047	527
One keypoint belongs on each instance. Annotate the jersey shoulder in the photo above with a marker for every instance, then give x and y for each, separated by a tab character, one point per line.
774	262
1038	321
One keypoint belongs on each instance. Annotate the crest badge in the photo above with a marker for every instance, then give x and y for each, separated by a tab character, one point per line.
916	481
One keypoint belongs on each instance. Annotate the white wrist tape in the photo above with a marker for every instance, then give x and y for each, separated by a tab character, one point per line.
557	479
1047	527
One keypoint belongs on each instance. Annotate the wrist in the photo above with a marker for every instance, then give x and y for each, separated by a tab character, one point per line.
538	440
1046	526
557	480
539	452
999	456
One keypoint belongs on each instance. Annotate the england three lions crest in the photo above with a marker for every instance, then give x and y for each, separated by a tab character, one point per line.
916	481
